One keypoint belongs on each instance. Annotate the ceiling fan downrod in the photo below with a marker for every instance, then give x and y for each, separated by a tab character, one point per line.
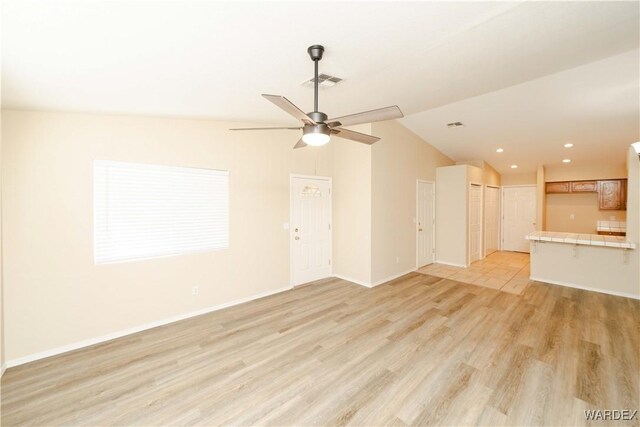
315	52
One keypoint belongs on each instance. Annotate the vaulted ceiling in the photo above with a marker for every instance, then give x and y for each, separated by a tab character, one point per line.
214	59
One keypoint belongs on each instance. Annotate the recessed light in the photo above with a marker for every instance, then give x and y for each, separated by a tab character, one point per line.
499	150
566	161
514	166
568	145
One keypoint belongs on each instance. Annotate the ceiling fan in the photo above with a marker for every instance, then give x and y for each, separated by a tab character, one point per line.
317	130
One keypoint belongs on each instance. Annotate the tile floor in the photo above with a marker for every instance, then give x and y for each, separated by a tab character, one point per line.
507	271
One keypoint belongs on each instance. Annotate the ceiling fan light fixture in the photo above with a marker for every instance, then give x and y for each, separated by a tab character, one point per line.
316	135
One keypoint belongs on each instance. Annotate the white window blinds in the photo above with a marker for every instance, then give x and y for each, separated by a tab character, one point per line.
145	211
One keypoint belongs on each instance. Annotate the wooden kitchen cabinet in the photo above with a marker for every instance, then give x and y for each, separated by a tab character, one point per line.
612	194
558	187
584	186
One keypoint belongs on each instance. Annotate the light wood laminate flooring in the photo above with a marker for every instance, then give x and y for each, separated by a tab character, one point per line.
419	350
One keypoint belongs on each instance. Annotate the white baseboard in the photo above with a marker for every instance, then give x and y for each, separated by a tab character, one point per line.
151	325
376	283
585	288
451	264
357	282
395	276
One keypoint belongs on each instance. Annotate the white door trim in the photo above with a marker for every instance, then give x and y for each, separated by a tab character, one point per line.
433	215
480	243
328	179
535	186
499	230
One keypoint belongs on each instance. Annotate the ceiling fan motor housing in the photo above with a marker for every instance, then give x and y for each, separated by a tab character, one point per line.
317	116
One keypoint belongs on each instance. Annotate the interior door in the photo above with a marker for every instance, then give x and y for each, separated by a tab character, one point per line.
475	222
310	229
519	217
492	220
425	223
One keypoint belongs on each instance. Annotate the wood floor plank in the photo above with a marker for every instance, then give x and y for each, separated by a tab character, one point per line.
419	350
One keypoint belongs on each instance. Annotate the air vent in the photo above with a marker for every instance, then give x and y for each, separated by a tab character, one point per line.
455	125
323	80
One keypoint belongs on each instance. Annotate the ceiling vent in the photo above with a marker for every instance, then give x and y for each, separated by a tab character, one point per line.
455	125
323	80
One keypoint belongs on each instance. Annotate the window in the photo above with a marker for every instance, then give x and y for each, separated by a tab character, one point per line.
145	211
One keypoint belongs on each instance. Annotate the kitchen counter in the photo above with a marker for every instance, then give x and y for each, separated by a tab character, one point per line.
586	261
581	239
611	227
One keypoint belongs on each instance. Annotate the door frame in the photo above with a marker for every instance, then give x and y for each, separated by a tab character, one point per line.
535	186
499	230
433	223
328	179
481	243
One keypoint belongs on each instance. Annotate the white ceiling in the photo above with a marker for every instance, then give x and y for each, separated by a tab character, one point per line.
213	59
596	107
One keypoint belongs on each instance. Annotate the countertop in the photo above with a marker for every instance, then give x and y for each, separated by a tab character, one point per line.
612	226
581	239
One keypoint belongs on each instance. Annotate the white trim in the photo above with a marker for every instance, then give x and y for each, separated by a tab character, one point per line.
480	243
349	279
392	277
125	332
484	208
376	283
586	288
3	368
329	179
433	222
452	264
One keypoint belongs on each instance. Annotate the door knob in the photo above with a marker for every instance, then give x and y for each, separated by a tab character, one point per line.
297	238
296	229
419	229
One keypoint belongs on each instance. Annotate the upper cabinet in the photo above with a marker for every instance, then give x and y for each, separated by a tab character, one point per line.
584	186
558	187
612	193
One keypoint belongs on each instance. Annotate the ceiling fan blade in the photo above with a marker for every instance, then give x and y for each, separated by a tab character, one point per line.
290	108
355	136
266	128
300	144
386	113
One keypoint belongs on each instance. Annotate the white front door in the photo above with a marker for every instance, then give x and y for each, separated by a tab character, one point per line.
519	217
310	229
492	220
475	222
424	223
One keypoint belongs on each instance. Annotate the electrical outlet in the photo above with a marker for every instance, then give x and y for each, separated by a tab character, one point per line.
397	260
195	290
572	216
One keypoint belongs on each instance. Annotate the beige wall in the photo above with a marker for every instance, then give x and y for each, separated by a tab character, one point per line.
451	215
541	199
56	296
572	172
491	176
633	212
2	366
352	209
520	178
584	208
398	160
452	208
